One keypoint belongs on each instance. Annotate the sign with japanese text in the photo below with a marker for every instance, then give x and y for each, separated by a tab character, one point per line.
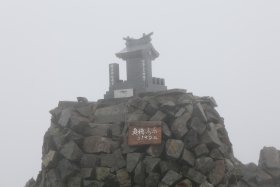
144	133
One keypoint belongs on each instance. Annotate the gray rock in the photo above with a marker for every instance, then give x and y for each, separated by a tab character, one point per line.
204	164
138	115
171	178
195	176
123	178
52	178
218	172
198	126
116	129
102	173
151	163
152	180
114	161
169	165
269	158
30	183
184	183
174	148
206	184
216	154
86	111
109	114
74	182
201	150
95	129
191	139
65	117
71	151
156	150
188	157
78	123
179	126
97	144
180	112
93	183
210	137
139	174
66	169
161	184
165	130
89	160
50	159
87	173
132	160
159	116
200	112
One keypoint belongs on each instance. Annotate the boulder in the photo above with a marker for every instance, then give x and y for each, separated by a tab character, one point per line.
188	157
171	178
179	126
71	151
97	144
218	172
132	160
174	148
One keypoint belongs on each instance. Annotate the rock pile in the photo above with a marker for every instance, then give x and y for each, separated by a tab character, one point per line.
266	174
86	144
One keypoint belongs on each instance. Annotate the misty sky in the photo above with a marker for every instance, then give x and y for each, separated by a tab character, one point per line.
57	50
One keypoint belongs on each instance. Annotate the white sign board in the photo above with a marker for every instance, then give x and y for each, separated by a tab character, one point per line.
123	93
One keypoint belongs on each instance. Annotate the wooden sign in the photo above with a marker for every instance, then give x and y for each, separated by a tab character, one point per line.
144	133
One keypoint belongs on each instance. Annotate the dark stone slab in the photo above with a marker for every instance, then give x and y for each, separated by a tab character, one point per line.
110	114
93	183
198	125
201	150
114	161
204	164
171	178
89	160
139	174
195	176
102	173
156	150
174	148
95	129
217	173
179	126
123	178
152	180
151	163
97	144
65	117
210	137
66	169
169	165
159	116
132	160
87	173
188	157
74	182
191	139
71	151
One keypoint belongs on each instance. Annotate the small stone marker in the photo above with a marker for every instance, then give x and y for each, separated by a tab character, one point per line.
144	133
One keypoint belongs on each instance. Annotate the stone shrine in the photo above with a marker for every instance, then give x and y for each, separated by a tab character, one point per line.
138	54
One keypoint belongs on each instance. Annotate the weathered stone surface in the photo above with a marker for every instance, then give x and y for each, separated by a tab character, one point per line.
89	160
210	137
66	169
201	150
179	126
216	154
218	172
139	174
114	160
93	183
159	116
195	176
269	158
30	183
50	159
188	157
204	164
198	126
191	139
123	178
132	160
199	112
65	117
152	180
74	182
78	123
156	150
171	178
165	130
180	112
161	184
87	172
206	184
168	165
71	151
138	115
102	173
109	114
174	148
151	163
95	129
184	183
97	144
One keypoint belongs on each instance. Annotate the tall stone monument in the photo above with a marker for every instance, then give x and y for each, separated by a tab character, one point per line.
138	54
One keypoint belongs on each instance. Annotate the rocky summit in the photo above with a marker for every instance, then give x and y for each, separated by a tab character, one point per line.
87	145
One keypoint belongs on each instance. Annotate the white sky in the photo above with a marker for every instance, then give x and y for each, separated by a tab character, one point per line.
57	50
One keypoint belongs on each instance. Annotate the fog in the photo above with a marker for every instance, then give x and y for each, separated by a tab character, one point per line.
58	50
